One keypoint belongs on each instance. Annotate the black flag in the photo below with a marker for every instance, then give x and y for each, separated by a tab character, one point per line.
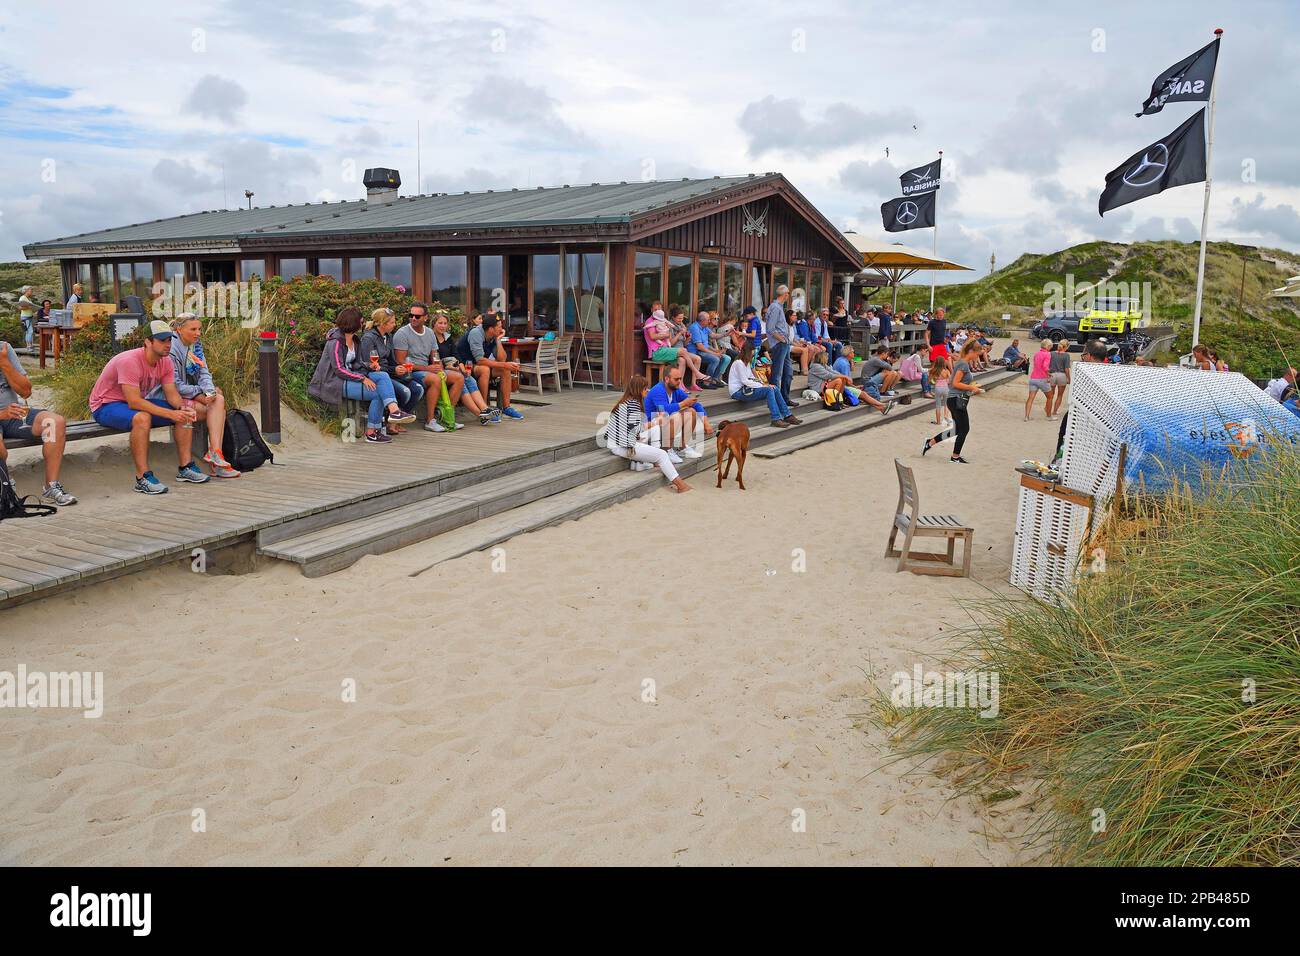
1176	160
916	212
1187	81
923	179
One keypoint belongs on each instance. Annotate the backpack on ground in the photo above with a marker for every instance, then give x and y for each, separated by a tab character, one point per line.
243	445
12	506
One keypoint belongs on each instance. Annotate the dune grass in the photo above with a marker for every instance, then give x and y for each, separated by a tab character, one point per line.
1165	694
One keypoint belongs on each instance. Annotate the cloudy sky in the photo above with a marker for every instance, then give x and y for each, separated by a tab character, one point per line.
128	112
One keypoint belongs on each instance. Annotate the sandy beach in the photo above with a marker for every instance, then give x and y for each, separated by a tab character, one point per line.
516	697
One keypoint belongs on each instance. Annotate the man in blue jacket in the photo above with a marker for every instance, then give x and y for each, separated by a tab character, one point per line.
671	411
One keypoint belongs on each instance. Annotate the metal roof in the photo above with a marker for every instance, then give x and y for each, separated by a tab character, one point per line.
492	209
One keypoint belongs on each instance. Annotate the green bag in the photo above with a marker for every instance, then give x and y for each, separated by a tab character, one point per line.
446	411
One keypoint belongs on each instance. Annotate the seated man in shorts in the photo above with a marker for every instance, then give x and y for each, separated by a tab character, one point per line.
118	401
19	422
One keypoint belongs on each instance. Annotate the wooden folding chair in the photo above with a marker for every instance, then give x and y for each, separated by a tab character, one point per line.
915	524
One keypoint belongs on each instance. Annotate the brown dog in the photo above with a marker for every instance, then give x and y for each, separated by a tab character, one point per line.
733	440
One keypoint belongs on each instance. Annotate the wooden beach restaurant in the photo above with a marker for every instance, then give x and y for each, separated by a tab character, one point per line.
574	260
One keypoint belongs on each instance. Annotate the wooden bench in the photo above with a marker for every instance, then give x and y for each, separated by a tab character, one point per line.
80	431
917	525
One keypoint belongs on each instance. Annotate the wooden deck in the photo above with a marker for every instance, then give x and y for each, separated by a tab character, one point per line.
92	542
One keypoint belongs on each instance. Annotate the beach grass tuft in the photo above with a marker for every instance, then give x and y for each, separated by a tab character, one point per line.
1157	710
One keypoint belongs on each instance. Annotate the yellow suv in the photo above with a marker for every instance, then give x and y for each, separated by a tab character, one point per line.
1112	314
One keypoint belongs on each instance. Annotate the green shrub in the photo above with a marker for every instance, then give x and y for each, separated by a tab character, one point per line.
11	331
1165	692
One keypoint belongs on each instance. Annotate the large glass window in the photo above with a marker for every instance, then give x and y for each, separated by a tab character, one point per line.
396	270
491	284
649	283
447	280
123	283
289	268
103	283
815	293
679	282
83	276
177	268
799	290
759	285
780	277
144	280
584	300
546	293
330	267
216	270
361	269
733	290
707	285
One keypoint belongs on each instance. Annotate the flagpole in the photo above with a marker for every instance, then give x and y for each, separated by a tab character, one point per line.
935	251
1205	209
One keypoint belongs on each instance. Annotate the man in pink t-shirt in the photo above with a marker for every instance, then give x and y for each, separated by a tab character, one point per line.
1040	379
118	401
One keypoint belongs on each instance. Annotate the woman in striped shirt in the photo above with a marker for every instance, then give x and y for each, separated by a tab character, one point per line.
627	436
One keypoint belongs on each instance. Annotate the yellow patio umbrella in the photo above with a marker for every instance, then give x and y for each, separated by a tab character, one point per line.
894	261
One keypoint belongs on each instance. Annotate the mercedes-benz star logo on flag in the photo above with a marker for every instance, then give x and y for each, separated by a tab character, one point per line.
906	213
1150	167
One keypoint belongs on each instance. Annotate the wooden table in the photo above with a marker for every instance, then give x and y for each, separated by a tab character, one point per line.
518	348
60	335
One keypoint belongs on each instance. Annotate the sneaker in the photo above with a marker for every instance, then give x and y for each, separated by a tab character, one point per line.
892	393
675	458
513	412
485	418
147	484
434	427
220	467
889	407
191	474
496	416
690	451
779	423
378	436
641	466
458	426
55	495
401	418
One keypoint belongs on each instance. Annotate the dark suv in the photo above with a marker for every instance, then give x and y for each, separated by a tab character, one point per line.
1059	325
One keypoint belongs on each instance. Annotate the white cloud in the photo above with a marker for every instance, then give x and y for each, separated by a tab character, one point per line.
294	106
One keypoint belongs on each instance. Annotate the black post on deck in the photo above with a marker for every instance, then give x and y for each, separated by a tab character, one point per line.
268	370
